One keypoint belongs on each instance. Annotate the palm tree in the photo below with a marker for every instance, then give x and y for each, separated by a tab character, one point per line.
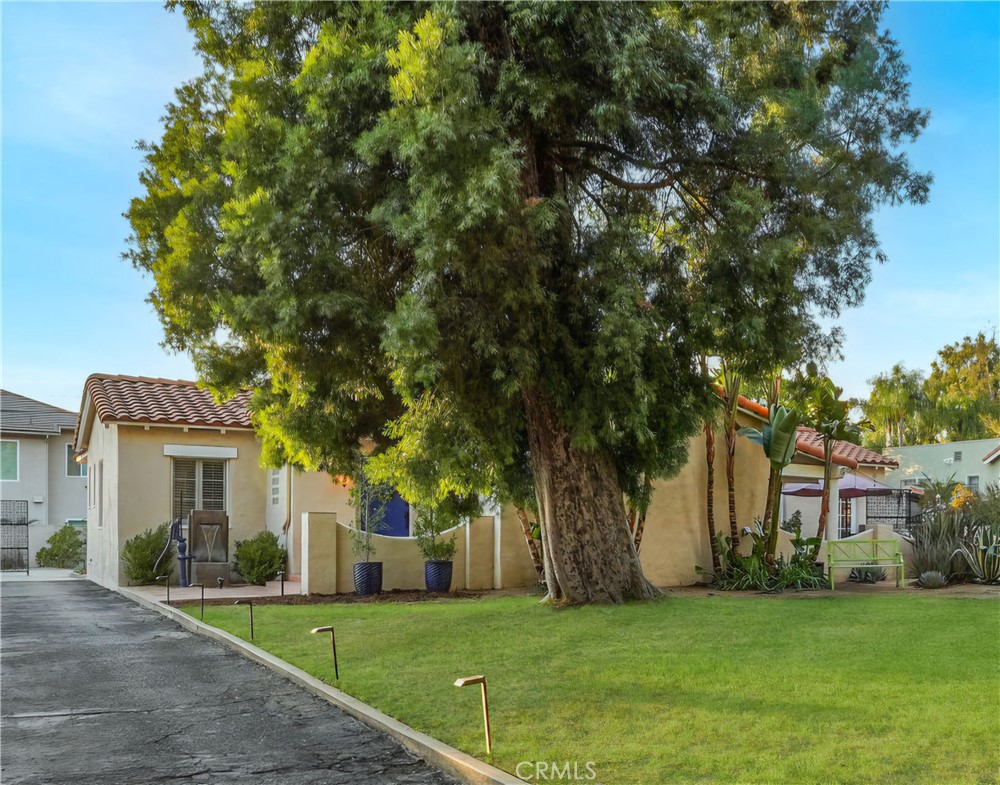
829	416
708	426
731	381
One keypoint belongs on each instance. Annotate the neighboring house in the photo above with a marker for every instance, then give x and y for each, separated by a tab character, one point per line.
974	463
38	471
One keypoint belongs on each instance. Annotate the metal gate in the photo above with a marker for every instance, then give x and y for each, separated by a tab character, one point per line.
897	508
14	535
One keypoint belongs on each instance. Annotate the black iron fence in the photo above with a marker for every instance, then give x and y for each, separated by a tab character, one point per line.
897	508
14	552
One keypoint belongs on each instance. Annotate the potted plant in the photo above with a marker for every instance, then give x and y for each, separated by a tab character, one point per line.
430	524
369	500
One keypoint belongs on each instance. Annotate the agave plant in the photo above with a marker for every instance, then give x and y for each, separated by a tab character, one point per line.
932	579
982	553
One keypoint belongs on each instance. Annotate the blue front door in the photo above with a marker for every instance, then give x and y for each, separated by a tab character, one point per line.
397	517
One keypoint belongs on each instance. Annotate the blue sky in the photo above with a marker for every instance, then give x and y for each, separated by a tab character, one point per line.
82	82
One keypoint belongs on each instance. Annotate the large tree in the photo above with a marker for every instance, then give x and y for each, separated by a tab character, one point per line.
502	234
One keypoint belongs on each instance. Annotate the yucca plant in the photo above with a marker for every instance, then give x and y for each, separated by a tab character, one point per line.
982	553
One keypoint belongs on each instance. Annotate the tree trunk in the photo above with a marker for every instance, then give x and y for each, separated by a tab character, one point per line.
734	529
774	488
536	557
713	540
587	548
640	527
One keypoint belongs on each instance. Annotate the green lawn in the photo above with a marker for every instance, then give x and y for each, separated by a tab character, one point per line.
888	688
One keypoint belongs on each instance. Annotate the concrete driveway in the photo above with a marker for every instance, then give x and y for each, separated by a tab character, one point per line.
98	690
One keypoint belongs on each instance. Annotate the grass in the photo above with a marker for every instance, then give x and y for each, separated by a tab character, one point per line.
899	688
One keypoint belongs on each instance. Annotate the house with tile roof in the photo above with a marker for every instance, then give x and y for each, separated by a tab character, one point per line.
40	480
156	449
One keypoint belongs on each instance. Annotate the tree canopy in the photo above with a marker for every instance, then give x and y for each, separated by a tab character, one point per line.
494	238
958	400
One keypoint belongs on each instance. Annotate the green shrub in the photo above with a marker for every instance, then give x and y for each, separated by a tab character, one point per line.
985	509
139	555
798	574
259	558
67	549
932	579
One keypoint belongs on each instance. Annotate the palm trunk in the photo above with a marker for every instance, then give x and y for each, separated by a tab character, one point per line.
774	488
640	527
824	510
734	529
536	557
587	548
772	497
713	540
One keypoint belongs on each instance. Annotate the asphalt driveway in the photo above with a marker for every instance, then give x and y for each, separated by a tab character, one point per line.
95	689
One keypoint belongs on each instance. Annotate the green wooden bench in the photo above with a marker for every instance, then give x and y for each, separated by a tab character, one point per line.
864	553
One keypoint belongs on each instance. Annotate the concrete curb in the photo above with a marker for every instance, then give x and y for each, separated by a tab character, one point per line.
440	755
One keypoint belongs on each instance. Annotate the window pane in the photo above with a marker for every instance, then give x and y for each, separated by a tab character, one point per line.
8	460
74	469
213	485
184	487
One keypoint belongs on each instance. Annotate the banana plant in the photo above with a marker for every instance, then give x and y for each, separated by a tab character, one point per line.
778	442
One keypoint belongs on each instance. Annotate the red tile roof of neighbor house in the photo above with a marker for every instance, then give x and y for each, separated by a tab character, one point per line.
140	399
810	442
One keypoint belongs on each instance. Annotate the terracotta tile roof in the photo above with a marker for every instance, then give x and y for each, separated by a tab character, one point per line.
810	442
140	399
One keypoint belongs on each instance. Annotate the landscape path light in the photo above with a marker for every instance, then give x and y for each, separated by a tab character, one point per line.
465	682
250	604
333	642
167	577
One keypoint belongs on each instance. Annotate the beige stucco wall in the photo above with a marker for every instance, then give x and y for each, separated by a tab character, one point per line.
675	539
329	560
516	567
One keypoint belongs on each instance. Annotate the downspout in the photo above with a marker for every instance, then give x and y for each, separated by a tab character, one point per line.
288	516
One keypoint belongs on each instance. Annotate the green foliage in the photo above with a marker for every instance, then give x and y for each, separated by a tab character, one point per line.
753	572
66	549
259	558
793	524
936	492
932	579
139	555
936	544
428	526
959	400
985	509
403	223
981	552
369	499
